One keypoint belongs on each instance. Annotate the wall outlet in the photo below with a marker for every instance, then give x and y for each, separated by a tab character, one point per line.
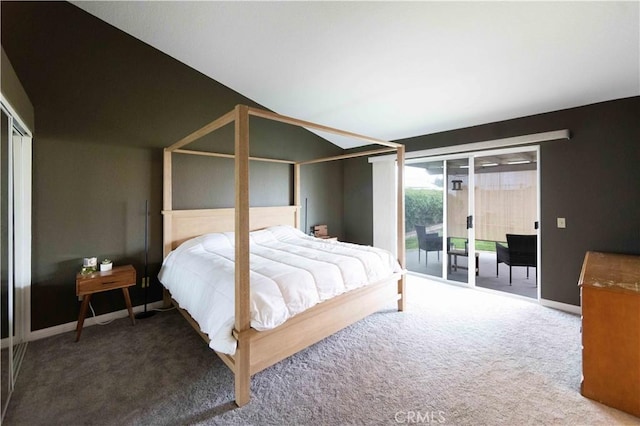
562	223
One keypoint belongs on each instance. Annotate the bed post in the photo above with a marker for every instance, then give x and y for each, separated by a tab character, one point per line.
296	194
400	229
167	206
242	319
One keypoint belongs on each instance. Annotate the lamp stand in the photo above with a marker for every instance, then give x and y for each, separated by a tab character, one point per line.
145	280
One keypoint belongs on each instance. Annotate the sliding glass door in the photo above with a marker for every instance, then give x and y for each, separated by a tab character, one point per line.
460	208
506	203
458	220
436	218
424	199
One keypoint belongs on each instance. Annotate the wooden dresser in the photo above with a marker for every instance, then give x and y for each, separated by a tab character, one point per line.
610	293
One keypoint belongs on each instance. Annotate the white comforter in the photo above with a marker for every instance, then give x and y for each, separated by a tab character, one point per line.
289	272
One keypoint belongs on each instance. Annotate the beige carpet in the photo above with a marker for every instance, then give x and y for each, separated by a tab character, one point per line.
457	356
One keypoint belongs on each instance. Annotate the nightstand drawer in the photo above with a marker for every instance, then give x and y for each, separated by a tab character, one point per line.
107	283
119	277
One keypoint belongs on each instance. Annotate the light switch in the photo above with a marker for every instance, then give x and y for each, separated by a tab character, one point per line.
562	222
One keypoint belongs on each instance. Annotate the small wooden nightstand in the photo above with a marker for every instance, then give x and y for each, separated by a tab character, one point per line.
119	277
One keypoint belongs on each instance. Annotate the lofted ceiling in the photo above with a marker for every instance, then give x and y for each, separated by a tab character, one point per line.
394	70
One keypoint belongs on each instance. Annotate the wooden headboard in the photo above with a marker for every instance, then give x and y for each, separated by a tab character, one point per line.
181	225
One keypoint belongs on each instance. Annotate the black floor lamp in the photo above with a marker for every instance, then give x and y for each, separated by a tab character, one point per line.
145	278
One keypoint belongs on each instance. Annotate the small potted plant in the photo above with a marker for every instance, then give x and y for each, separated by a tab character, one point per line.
106	265
89	265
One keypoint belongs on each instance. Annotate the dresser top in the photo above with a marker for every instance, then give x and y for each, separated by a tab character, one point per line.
611	270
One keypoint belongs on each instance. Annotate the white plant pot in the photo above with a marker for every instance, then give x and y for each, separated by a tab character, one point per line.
106	266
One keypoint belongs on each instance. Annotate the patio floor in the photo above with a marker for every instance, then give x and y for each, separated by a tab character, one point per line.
486	278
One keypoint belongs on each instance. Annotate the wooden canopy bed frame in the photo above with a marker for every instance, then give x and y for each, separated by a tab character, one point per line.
259	350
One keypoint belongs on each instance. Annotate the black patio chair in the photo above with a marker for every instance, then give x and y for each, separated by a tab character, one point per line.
521	250
428	242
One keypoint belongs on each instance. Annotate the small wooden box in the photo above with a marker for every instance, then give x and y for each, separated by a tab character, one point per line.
320	231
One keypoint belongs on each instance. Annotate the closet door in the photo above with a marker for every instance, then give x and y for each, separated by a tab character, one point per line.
6	306
15	250
20	218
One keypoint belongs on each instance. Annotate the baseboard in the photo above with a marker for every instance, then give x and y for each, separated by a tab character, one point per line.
71	326
561	306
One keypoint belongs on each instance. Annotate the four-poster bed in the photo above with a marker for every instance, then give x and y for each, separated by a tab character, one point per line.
257	350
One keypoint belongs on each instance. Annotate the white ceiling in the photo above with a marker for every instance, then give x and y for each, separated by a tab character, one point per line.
393	70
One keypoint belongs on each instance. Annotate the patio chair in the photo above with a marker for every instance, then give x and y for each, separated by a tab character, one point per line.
428	242
521	250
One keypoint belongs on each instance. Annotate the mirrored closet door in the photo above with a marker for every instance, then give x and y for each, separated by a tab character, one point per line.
15	248
7	287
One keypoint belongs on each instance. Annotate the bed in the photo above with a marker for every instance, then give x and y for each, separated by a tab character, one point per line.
247	350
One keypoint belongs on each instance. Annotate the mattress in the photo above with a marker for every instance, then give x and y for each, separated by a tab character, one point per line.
289	272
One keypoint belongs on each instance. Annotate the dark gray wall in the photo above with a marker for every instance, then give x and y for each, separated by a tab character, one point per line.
593	180
318	192
105	106
358	201
14	93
